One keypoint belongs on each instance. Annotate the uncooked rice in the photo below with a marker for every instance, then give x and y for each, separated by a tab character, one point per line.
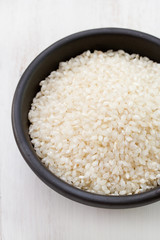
96	122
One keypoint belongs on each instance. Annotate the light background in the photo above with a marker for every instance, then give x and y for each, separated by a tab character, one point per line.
29	210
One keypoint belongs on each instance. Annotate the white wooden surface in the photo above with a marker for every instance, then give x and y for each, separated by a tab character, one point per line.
29	210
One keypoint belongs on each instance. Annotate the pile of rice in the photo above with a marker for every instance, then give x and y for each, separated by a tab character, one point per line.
96	122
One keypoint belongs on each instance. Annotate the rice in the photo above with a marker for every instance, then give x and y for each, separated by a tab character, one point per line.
96	122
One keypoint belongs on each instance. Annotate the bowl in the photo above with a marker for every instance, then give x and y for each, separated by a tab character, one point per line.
97	39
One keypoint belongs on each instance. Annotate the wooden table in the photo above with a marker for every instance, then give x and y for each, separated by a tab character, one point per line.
29	210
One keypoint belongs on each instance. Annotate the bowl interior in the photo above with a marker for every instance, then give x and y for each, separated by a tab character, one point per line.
47	61
66	49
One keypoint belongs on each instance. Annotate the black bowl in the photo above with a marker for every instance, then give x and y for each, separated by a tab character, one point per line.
99	39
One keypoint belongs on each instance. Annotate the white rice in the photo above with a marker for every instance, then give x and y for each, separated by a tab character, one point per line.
96	122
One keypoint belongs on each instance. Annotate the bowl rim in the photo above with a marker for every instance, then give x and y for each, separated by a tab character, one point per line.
65	189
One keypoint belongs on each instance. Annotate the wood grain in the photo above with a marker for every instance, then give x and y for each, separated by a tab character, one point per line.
29	210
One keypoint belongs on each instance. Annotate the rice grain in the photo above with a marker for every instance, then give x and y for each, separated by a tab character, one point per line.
96	122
